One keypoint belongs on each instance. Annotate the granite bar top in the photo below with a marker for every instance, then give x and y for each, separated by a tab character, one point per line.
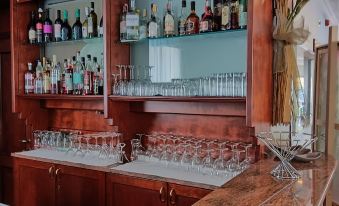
257	187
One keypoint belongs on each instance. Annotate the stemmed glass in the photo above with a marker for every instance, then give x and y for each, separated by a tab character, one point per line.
72	138
219	163
78	150
185	157
196	163
247	161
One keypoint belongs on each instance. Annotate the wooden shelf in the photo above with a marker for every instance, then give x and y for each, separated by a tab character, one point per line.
177	99
62	97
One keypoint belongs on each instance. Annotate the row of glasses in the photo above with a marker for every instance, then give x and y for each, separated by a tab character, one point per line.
210	157
100	145
133	80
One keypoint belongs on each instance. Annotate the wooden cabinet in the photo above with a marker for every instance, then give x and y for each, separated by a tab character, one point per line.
143	192
38	183
34	183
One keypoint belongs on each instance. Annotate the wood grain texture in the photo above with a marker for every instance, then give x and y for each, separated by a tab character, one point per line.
259	65
75	186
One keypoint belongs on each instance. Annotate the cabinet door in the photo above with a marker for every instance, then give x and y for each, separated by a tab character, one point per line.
76	186
132	191
180	195
34	183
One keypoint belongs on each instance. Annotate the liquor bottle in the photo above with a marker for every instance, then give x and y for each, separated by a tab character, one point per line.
46	77
206	23
154	23
217	15
143	25
29	80
226	15
101	75
57	27
62	85
48	28
243	14
66	30
182	19
39	27
77	26
88	77
192	22
101	27
123	31
55	76
92	23
32	30
85	24
132	23
169	28
69	78
234	9
38	84
78	76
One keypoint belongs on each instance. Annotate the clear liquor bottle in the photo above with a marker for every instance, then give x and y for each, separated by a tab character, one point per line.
123	30
85	24
243	14
206	23
132	22
217	15
88	76
46	77
226	15
101	27
154	23
169	25
38	88
29	80
78	76
192	22
234	9
55	76
69	77
182	19
62	85
143	25
96	74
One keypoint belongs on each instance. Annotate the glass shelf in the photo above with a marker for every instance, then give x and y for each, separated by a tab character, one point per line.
95	40
207	35
62	97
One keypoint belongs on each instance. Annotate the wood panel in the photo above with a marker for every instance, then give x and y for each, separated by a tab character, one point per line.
34	186
93	105
135	191
259	65
181	195
78	120
6	185
76	186
116	53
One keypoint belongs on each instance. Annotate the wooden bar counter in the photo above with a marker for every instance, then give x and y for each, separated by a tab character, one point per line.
257	187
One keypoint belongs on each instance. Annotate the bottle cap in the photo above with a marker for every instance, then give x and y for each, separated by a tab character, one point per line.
77	13
192	5
65	14
40	10
86	11
183	3
95	59
88	56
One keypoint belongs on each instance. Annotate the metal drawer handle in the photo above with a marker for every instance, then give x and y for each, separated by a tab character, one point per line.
172	197
161	195
51	171
58	171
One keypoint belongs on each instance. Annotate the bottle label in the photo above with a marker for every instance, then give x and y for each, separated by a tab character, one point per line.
77	78
29	82
169	24
123	27
142	32
225	15
57	30
182	28
204	26
84	32
69	81
153	29
38	86
132	20
190	26
243	19
48	29
39	26
90	25
32	34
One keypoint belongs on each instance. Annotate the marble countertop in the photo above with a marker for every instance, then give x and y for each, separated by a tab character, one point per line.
257	187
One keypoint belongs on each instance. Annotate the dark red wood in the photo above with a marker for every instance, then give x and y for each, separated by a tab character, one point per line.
131	191
181	195
34	185
76	186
